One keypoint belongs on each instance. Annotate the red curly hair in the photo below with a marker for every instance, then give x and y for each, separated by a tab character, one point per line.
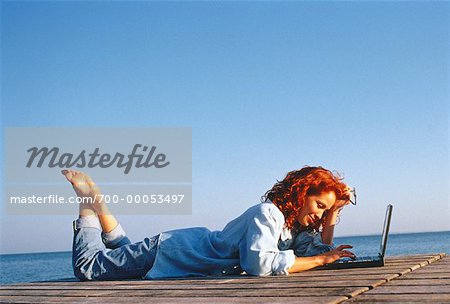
289	194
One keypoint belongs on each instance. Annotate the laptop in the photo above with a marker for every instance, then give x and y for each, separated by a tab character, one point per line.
366	261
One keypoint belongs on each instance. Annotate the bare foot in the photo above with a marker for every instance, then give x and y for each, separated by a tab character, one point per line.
84	186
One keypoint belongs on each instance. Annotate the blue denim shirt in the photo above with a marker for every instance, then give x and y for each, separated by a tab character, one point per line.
248	243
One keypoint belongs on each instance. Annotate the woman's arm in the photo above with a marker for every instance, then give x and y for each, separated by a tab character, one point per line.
306	263
328	227
258	248
330	221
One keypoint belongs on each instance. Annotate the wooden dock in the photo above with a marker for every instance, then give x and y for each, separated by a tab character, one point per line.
417	278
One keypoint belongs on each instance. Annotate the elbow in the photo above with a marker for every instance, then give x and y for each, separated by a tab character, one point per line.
257	270
82	269
82	274
276	264
264	272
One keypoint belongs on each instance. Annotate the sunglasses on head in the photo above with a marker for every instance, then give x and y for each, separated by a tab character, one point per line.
352	198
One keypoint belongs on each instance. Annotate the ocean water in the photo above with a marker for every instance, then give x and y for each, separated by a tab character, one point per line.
30	267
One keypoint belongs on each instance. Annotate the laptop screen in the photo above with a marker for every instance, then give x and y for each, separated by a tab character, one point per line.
387	223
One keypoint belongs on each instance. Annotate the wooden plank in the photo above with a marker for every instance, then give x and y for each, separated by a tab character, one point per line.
405	263
356	292
401	298
168	300
432	275
413	257
357	271
231	285
337	291
413	281
428	283
252	280
444	262
399	289
430	271
416	273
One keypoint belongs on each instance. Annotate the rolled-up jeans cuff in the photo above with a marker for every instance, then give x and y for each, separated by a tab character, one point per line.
113	237
90	221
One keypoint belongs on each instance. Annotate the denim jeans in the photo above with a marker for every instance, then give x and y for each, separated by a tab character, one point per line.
109	256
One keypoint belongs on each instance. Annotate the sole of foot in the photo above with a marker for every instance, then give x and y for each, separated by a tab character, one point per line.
84	186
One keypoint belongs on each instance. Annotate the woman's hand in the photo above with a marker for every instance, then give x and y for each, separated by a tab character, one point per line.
339	204
306	263
332	216
336	254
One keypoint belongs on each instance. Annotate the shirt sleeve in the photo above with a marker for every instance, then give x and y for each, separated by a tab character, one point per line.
259	253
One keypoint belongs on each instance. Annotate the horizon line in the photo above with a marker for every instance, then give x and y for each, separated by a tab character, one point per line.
397	233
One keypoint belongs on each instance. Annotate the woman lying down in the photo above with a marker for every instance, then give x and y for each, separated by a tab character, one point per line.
289	231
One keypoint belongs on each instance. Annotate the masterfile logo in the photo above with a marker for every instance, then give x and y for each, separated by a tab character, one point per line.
113	154
53	158
139	170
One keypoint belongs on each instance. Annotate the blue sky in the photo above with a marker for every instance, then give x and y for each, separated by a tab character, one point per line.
267	87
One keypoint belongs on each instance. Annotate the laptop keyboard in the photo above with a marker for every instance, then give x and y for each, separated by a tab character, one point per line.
357	259
365	258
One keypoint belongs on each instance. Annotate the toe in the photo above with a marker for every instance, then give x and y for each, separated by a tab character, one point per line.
68	174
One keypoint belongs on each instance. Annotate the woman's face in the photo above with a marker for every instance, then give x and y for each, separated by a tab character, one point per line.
315	206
